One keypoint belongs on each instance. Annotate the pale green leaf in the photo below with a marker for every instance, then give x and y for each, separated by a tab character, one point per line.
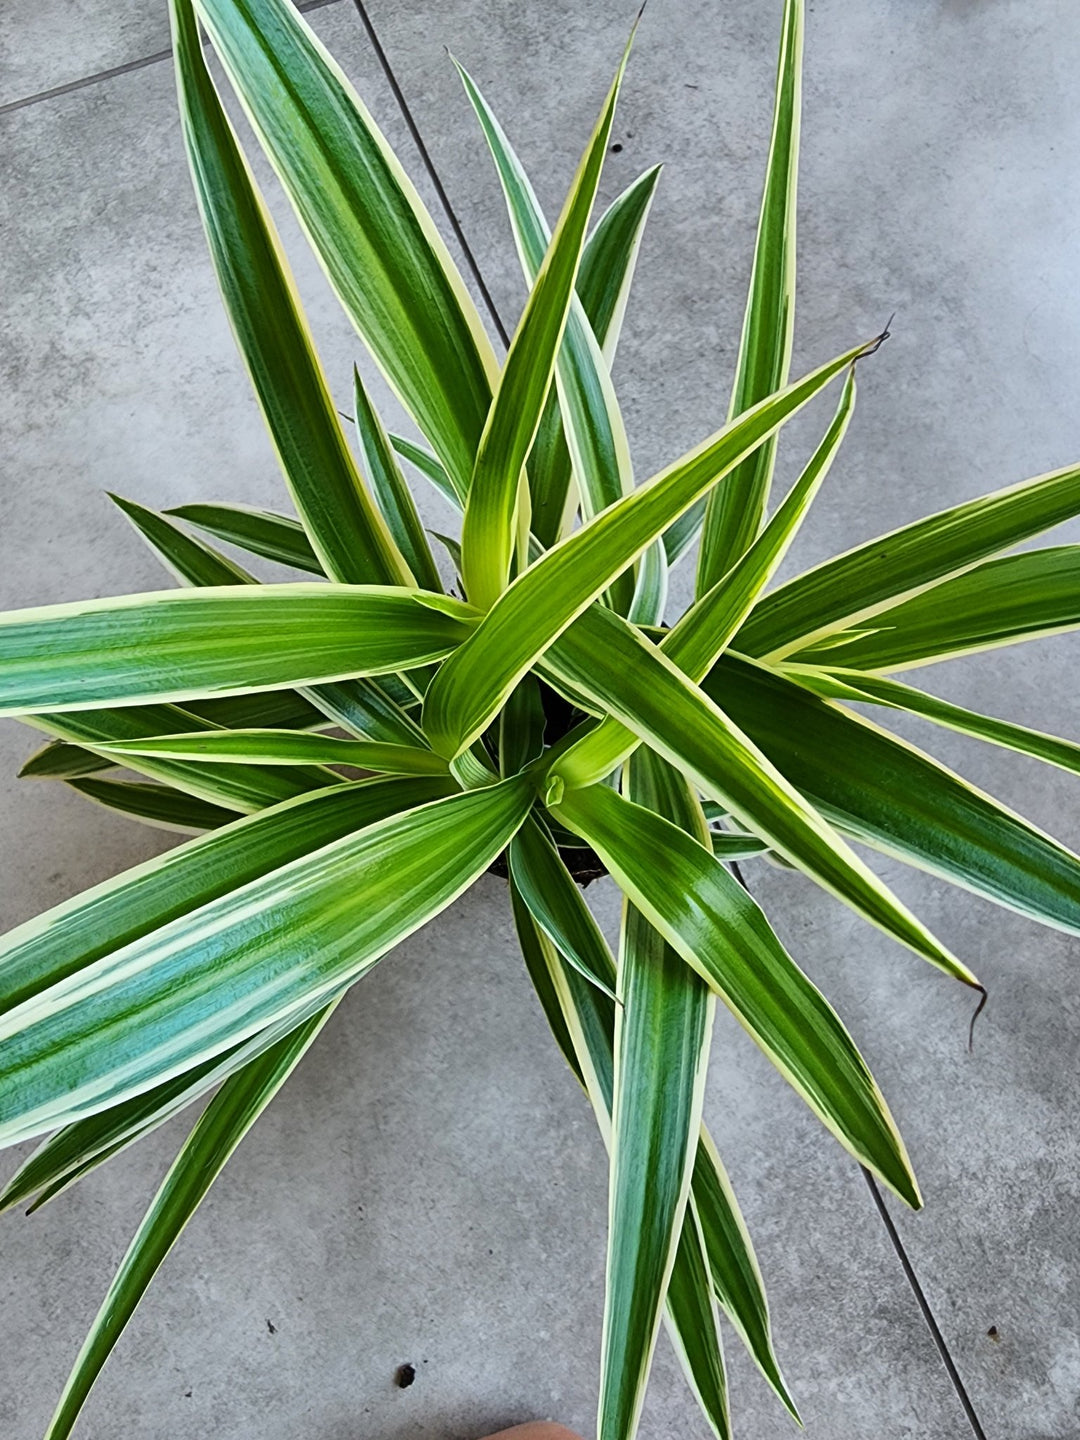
550	594
489	529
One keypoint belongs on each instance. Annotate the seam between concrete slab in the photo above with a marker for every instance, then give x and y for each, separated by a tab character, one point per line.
924	1307
944	1354
99	76
433	174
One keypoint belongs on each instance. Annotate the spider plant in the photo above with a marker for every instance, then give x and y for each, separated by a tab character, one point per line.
533	716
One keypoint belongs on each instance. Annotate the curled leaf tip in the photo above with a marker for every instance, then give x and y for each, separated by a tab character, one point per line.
554	789
983	997
875	345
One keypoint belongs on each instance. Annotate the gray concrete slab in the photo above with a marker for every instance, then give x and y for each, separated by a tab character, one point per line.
46	43
936	181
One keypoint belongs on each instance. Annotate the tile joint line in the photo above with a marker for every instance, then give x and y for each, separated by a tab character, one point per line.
886	1219
429	166
924	1306
127	68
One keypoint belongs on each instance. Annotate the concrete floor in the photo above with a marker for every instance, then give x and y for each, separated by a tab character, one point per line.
429	1188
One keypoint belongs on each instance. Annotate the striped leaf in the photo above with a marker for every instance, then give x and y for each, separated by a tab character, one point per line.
489	530
368	226
550	594
718	929
592	423
346	531
260	532
883	791
858	585
734	512
221	974
625	675
582	1018
175	645
157	805
663	1029
240	788
283	747
67	939
557	905
391	491
1017	597
217	1133
876	690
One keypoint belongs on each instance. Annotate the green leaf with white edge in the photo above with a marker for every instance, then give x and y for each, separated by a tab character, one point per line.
183	878
60	760
610	259
557	905
174	645
392	494
550	594
345	529
221	973
694	1327
702	634
217	1133
853	685
488	533
270	710
260	532
603	284
737	845
73	1151
431	469
592	422
582	1019
187	558
733	1266
359	706
365	221
734	512
858	585
663	1029
241	788
157	805
544	967
364	708
651	590
999	602
883	791
521	727
284	747
718	929
67	939
611	662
